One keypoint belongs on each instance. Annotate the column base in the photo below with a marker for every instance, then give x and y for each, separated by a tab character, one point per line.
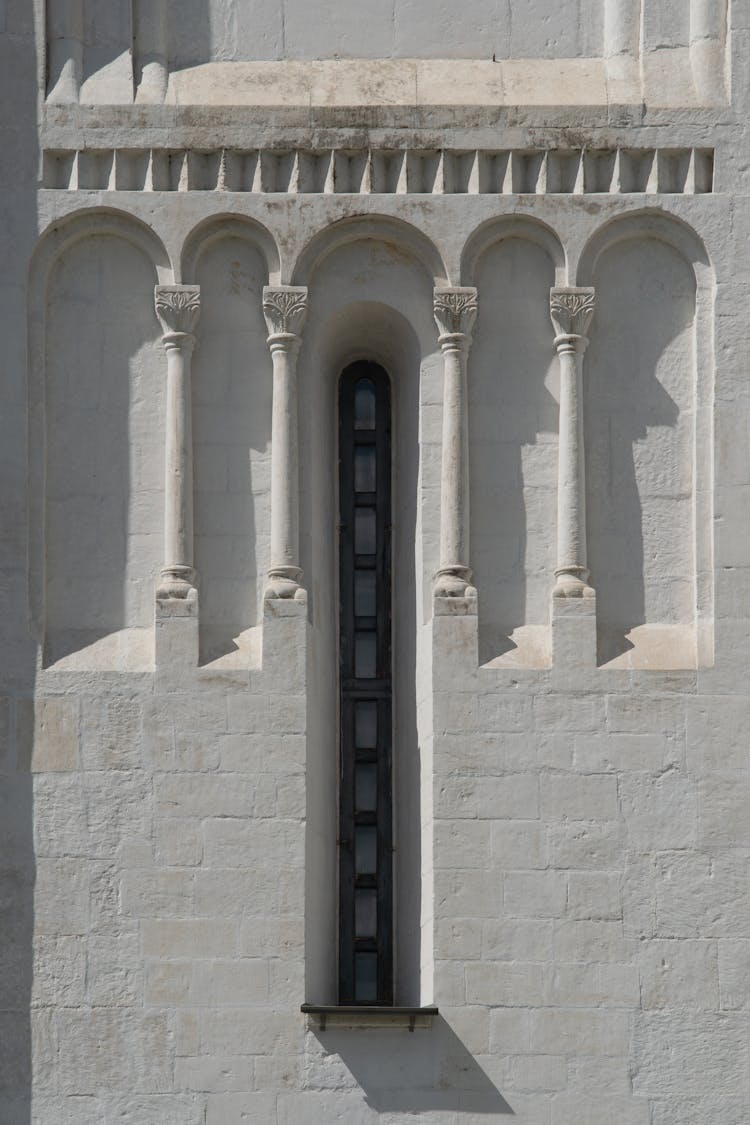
176	641
453	582
572	583
176	582
573	628
284	582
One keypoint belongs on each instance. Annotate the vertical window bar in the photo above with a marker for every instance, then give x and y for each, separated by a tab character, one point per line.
365	825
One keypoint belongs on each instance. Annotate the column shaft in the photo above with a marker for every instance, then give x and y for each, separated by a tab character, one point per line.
621	27
178	308
571	311
65	50
284	308
455	313
150	63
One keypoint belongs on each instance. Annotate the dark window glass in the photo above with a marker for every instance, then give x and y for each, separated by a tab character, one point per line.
365	797
364	405
365	595
365	468
365	656
365	531
366	787
366	977
366	914
366	724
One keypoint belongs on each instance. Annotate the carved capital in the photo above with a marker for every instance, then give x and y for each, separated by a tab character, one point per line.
178	308
455	313
571	310
285	309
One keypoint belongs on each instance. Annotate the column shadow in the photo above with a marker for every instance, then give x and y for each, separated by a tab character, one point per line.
513	421
640	552
232	396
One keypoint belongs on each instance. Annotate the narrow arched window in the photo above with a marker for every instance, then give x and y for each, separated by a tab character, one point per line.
365	675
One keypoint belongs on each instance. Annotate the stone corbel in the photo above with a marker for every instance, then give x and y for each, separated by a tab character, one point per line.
178	309
571	310
455	313
284	309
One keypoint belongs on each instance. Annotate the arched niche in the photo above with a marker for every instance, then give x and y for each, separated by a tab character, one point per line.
369	299
648	387
95	440
513	447
402	238
496	230
232	402
217	229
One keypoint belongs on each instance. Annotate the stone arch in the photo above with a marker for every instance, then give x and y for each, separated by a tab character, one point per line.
396	233
648	390
511	226
60	239
218	227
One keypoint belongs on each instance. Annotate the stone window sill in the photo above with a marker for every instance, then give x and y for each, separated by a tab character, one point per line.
355	1015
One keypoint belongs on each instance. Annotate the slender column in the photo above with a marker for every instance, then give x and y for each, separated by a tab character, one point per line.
284	308
708	28
178	309
150	50
455	312
571	311
65	49
621	27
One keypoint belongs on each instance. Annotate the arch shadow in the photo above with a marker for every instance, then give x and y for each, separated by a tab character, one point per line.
654	602
513	425
232	258
55	243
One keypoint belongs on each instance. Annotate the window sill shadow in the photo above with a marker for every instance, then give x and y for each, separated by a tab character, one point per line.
366	1015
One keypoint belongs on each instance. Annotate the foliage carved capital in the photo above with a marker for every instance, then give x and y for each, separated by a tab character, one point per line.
455	311
571	310
178	308
285	309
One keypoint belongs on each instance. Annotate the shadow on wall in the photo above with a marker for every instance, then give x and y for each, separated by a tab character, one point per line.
411	1072
104	427
513	443
18	224
639	415
232	393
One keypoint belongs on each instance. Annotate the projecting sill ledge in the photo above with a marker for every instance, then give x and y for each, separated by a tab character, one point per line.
365	1015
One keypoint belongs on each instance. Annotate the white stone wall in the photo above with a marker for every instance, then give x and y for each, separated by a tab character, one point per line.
571	774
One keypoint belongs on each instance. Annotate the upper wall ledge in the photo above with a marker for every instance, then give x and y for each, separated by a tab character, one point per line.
659	79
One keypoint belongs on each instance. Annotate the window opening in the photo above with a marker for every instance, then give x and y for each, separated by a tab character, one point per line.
365	681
